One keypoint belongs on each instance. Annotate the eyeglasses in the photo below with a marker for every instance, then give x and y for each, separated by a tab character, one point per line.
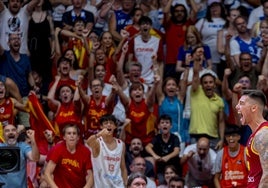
96	85
200	165
244	81
140	164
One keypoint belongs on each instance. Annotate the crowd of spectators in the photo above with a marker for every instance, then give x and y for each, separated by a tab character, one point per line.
150	86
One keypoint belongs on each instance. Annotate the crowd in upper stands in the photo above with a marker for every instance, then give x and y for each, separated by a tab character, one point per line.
150	86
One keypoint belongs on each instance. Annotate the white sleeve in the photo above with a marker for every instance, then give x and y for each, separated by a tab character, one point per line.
234	47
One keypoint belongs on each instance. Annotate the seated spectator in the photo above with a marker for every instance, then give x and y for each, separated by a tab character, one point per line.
200	160
138	165
170	172
176	182
164	148
136	150
230	165
137	180
69	160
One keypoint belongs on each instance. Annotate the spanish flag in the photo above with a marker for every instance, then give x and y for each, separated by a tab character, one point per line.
38	120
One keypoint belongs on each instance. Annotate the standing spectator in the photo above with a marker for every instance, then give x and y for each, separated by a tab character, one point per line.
138	165
175	23
193	40
58	9
11	87
137	180
96	105
8	106
170	100
108	155
69	17
17	66
164	148
170	171
200	159
257	14
144	47
230	166
66	106
243	42
121	18
207	117
41	42
209	27
15	19
69	162
27	152
246	68
224	36
140	111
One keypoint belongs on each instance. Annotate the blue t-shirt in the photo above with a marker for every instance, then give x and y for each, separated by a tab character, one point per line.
18	71
17	179
182	54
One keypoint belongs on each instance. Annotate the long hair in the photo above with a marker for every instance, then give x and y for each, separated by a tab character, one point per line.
192	29
208	14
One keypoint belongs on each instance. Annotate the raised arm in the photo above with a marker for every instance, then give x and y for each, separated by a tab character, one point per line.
166	10
52	102
196	79
150	99
33	155
120	66
112	28
221	127
226	91
31	5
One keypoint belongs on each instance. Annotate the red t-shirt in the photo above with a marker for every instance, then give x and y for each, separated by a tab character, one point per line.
71	168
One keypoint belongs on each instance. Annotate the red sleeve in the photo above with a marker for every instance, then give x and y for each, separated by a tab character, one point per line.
160	53
131	46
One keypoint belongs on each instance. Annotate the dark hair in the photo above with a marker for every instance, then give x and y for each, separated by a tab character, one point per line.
245	53
263	1
165	117
145	19
207	74
135	175
208	14
70	125
133	12
232	129
256	95
78	20
177	178
172	167
75	63
62	59
172	9
108	117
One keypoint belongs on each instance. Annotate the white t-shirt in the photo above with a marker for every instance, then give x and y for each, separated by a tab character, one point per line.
209	32
255	16
194	163
15	24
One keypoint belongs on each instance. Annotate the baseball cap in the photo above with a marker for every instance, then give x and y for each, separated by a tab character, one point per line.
210	2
